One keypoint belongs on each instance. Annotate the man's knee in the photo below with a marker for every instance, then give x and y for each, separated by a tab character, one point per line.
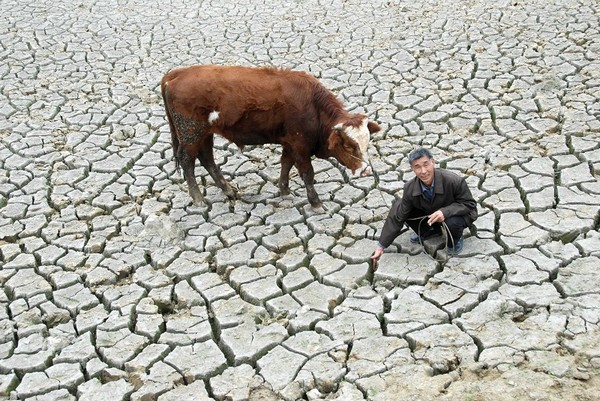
456	226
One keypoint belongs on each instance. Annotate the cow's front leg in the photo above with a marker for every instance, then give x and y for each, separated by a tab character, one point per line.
311	193
284	177
308	176
207	159
187	165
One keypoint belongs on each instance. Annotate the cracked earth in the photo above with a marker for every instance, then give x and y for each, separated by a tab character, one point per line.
114	286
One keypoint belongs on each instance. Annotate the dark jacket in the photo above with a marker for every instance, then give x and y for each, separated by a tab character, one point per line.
452	197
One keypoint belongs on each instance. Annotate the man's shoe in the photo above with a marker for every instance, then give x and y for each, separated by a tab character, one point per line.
458	246
414	238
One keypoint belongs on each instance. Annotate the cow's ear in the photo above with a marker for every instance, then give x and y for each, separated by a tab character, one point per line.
373	127
335	139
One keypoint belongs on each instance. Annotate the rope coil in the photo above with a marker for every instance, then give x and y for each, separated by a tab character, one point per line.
445	233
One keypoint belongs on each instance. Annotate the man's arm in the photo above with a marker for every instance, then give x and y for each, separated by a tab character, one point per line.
395	220
393	224
463	202
388	233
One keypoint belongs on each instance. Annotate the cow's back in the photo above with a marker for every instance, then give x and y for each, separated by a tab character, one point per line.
218	87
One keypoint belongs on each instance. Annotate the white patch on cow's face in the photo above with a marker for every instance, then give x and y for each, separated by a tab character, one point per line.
361	135
213	116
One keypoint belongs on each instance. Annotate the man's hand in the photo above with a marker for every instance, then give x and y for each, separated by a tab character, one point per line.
436	217
376	255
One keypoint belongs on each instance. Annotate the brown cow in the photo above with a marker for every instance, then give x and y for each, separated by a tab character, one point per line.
252	106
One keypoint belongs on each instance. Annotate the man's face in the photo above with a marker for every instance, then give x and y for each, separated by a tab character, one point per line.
423	169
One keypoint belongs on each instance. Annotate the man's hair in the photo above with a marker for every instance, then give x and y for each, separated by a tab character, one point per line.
417	154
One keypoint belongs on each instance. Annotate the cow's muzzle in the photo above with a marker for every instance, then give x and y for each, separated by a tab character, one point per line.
364	171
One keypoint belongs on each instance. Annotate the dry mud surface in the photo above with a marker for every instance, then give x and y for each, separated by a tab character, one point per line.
116	287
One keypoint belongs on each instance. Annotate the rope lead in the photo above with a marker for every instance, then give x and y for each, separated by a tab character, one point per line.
445	233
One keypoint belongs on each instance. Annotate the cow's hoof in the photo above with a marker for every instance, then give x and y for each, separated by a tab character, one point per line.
309	210
201	203
319	210
288	197
316	211
231	193
317	206
198	200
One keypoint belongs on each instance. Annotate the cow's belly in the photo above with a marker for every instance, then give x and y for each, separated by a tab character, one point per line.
254	137
253	132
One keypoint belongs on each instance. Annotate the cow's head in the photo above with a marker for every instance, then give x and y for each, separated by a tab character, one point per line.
348	143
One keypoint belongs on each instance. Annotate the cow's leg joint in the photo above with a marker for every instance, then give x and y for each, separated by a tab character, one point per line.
207	159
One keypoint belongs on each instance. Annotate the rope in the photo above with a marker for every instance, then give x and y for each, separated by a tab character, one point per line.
445	233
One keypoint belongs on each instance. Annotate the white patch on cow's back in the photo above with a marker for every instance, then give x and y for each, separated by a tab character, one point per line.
213	116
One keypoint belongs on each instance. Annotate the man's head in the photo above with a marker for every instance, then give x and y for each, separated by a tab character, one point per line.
422	164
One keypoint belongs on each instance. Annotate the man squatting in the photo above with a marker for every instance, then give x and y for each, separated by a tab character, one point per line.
432	197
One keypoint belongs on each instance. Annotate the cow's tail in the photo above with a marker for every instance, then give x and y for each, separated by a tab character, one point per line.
174	139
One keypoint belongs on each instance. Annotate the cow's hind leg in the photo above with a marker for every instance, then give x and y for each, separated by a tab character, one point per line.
207	158
184	134
284	177
187	164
